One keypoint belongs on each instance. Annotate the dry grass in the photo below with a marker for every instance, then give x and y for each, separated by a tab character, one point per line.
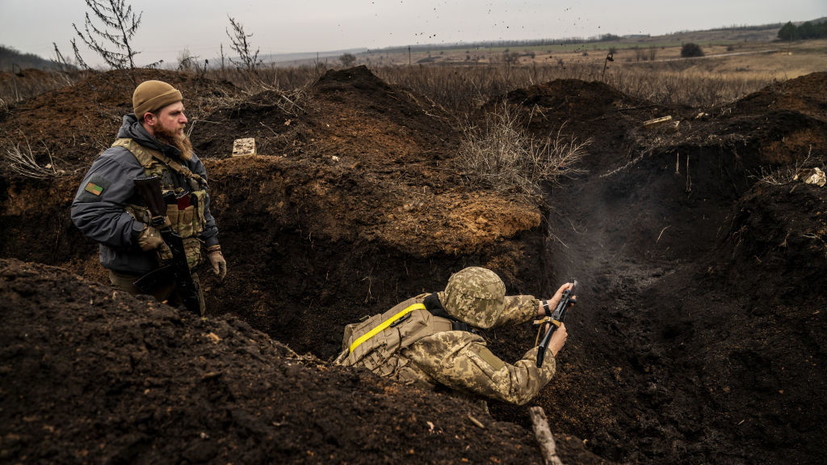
729	72
499	155
22	162
694	88
466	88
785	174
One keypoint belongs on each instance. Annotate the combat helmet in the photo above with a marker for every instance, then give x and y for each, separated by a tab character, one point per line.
474	295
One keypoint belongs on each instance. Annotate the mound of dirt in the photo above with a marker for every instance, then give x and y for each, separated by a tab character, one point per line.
747	334
577	99
264	117
387	128
803	95
76	122
346	113
777	242
93	376
588	111
781	124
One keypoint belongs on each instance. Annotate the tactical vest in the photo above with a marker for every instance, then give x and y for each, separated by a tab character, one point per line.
187	215
376	342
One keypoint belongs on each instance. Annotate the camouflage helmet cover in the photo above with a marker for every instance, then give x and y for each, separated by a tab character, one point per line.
474	295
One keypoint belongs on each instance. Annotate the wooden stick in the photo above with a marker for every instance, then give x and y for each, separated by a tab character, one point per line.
539	424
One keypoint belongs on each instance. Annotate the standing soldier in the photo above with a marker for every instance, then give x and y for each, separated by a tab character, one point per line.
430	340
151	142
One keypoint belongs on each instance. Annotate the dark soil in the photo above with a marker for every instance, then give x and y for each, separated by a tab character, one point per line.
698	336
92	375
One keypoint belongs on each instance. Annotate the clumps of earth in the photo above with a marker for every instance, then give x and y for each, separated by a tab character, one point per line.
698	336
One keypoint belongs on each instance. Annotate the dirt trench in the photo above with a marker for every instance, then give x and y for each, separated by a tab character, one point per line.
675	355
699	341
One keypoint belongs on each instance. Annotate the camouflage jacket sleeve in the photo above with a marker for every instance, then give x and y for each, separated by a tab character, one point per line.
461	361
518	309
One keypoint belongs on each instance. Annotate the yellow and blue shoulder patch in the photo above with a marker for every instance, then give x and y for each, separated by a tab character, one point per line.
93	188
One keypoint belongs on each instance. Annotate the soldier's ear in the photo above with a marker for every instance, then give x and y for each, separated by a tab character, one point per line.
150	118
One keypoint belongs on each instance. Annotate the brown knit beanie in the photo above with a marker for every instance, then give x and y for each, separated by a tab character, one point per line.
151	96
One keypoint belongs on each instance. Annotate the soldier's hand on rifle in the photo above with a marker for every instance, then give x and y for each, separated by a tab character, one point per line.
558	339
552	302
219	265
552	313
149	239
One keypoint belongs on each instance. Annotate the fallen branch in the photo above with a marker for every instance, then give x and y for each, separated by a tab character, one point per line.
539	424
661	234
23	162
475	421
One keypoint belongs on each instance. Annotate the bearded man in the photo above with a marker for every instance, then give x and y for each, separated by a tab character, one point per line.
107	208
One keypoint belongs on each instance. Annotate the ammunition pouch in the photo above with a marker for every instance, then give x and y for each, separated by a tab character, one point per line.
186	216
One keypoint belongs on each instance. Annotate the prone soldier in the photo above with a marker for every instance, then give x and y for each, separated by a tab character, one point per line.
430	340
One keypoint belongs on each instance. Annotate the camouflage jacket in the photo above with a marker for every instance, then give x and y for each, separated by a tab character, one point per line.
461	360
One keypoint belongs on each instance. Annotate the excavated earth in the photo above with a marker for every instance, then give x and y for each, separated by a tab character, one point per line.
699	336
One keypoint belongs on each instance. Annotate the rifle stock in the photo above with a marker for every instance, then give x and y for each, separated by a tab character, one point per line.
557	317
149	189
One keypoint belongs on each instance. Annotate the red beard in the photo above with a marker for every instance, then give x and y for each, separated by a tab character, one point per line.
172	138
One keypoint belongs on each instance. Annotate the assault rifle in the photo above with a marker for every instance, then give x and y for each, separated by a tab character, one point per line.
178	270
556	317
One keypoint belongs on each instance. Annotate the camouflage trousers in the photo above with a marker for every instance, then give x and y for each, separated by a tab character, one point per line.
165	293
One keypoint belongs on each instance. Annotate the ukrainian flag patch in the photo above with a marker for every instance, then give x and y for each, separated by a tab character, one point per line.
93	189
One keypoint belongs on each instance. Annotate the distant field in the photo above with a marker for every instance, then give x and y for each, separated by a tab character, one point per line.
776	60
751	53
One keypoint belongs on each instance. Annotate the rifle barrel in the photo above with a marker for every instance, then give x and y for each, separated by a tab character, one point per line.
149	188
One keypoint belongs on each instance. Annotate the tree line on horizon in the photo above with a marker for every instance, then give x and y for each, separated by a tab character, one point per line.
14	61
806	30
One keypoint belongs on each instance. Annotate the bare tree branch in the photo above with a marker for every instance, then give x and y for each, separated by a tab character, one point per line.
112	39
240	44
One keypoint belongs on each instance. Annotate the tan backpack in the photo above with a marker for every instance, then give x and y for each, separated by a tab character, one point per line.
375	343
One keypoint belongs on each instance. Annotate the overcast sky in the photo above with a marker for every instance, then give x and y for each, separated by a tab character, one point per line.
169	27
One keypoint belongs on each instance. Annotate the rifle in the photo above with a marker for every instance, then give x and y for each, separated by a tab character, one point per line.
556	317
178	270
